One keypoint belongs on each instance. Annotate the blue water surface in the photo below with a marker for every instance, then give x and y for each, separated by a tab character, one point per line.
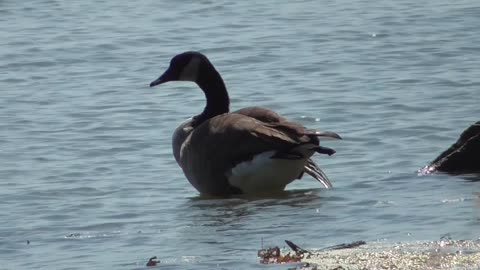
87	178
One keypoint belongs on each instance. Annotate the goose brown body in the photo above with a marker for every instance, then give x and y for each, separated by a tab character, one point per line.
218	149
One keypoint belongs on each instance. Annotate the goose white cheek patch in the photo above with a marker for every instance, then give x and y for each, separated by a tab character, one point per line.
190	71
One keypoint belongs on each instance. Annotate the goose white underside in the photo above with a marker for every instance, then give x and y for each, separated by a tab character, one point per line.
265	174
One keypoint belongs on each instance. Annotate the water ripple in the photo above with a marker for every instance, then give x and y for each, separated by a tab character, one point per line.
87	172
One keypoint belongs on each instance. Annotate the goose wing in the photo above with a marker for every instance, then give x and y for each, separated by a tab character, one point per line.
262	114
311	168
217	145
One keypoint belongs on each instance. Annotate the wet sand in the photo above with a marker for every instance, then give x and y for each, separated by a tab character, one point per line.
442	254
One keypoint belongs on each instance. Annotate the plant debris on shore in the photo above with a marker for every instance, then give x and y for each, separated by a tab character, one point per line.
441	254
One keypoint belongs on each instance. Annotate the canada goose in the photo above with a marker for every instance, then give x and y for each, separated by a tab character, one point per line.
252	150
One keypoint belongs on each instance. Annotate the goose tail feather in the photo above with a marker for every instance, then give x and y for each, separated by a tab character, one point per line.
314	171
326	134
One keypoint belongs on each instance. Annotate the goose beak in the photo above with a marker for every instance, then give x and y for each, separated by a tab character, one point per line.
165	77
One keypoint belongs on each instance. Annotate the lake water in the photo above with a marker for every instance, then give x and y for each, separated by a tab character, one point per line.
87	175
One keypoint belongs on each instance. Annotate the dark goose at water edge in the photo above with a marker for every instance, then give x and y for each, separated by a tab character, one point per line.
252	150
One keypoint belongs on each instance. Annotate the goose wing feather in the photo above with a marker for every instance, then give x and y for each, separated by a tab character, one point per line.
213	148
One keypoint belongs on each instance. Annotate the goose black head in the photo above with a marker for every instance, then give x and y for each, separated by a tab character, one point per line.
183	67
195	67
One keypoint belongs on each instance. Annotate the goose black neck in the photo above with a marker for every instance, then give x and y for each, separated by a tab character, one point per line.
216	94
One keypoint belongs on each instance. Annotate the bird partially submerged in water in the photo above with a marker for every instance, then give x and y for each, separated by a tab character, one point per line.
252	150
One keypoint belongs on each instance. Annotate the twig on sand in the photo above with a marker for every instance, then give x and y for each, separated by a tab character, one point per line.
152	261
273	255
